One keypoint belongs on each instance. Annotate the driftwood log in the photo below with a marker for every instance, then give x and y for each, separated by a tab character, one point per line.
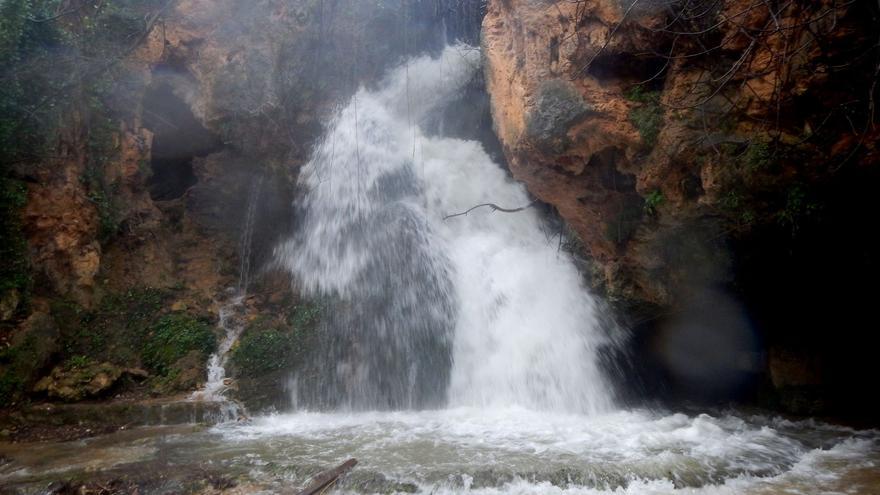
325	480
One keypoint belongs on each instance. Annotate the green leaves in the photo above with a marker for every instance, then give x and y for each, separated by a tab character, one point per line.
173	337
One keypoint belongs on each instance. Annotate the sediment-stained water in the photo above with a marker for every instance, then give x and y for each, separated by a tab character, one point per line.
509	450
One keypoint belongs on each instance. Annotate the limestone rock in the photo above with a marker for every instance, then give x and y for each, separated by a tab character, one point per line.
78	382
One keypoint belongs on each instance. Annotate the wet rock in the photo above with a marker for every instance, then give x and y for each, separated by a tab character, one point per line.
190	371
558	107
8	304
32	349
75	383
373	482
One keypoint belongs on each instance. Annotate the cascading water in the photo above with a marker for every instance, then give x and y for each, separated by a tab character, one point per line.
230	315
480	302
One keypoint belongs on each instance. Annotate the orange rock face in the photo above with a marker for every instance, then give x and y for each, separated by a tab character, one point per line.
649	136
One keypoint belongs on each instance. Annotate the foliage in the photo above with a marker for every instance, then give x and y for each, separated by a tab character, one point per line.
655	199
639	94
173	337
757	156
304	315
647	117
78	361
16	365
59	67
798	207
267	347
115	330
263	352
14	270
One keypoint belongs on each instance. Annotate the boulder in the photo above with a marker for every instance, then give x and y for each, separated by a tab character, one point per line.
78	382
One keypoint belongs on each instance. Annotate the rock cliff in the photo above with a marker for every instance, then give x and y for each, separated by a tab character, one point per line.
179	113
701	146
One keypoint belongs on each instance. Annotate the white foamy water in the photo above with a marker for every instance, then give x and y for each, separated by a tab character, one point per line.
483	451
483	304
515	450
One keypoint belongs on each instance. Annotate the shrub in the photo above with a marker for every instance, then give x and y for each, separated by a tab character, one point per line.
173	337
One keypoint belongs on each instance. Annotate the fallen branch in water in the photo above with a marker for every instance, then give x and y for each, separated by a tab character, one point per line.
494	207
325	480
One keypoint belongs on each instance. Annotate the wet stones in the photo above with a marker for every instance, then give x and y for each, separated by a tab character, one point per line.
557	108
74	383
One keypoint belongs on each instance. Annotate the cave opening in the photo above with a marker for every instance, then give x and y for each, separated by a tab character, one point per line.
178	139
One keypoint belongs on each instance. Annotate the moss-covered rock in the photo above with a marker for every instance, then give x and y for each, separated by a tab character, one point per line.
173	338
32	349
558	107
79	379
271	349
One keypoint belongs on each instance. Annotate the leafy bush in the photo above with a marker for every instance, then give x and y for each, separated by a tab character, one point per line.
173	337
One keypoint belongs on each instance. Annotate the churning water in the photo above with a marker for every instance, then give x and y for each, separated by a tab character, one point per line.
476	310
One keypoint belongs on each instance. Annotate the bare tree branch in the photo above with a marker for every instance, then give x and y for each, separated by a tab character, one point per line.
494	207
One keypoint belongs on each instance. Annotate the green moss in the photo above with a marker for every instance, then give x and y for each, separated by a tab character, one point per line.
16	367
267	346
799	206
639	94
77	362
15	268
115	330
757	156
173	337
304	315
263	352
11	387
647	117
654	199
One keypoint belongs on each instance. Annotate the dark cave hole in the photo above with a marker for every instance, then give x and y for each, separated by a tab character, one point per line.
178	138
646	71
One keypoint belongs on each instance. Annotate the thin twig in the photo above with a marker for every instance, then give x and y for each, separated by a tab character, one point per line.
494	207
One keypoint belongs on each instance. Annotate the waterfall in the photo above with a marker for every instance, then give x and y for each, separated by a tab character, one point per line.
477	310
231	313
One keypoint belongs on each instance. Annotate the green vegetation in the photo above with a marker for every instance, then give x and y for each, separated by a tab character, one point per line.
655	199
798	207
263	352
15	367
267	346
173	337
102	150
14	270
77	362
648	116
757	156
59	62
115	330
